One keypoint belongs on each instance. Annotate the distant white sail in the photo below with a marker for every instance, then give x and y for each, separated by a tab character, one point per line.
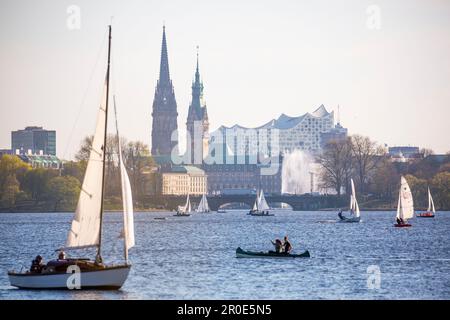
353	202
203	205
262	204
85	228
255	205
187	207
430	202
405	208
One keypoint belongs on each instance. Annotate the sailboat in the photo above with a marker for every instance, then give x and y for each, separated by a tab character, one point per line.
260	207
431	210
184	211
355	215
86	228
405	207
203	206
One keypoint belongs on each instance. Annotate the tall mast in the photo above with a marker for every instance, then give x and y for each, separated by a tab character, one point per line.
98	258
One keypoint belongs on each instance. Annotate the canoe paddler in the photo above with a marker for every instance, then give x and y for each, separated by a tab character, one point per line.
287	245
278	245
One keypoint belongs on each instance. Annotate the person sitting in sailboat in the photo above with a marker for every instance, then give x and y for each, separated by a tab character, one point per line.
62	255
287	245
340	214
37	264
278	245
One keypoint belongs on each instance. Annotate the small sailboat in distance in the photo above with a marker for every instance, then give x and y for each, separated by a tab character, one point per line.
203	206
260	207
355	215
405	207
184	211
86	229
431	209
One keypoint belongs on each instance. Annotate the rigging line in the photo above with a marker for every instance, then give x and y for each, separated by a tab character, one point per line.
83	100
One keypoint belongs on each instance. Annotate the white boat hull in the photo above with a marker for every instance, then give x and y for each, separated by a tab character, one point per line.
109	278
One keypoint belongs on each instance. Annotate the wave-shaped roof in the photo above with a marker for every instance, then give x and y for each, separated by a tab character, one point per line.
284	121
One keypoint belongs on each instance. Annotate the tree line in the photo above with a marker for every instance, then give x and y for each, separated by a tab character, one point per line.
59	189
377	177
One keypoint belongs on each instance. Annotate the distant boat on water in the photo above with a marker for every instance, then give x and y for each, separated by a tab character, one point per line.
405	207
431	209
184	211
355	215
260	207
203	206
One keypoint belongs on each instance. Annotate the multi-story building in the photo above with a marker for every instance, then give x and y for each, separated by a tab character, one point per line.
240	177
404	153
183	180
164	108
338	133
33	140
282	135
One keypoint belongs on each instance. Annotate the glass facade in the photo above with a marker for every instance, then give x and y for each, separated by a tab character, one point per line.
34	140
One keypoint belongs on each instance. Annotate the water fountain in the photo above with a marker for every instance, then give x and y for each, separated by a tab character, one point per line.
298	173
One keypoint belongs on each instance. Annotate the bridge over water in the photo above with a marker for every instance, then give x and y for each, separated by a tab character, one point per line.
297	202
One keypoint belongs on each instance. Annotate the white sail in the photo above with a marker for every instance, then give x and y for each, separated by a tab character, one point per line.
127	197
187	208
353	202
203	205
85	228
255	205
405	209
431	207
262	205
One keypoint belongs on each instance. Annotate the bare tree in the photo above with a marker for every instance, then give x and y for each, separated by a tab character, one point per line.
366	154
336	164
138	161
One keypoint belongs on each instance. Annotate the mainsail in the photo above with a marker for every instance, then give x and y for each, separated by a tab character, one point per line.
86	224
187	207
430	202
203	205
354	207
262	203
405	208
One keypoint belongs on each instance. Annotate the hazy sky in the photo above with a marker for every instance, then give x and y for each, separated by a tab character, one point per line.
257	60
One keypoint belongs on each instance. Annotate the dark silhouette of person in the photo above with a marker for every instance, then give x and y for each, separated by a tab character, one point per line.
37	264
287	245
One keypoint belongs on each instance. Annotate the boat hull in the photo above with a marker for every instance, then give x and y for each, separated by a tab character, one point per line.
404	225
109	278
260	214
273	255
350	220
425	215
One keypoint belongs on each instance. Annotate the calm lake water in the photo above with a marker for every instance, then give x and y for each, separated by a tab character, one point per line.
194	258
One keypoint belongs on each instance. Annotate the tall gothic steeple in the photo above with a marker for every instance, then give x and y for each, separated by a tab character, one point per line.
164	107
197	122
164	75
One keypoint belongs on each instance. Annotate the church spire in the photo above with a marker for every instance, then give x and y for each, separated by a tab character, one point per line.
197	71
197	91
164	108
164	76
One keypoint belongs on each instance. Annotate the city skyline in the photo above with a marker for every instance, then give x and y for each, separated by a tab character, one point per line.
304	56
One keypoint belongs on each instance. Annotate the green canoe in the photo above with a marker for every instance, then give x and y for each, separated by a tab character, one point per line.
271	254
